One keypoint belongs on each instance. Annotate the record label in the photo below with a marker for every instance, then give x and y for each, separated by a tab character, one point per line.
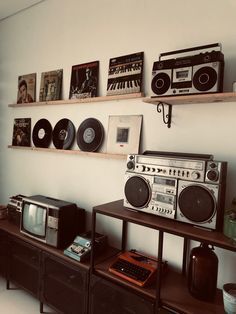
42	133
63	134
90	135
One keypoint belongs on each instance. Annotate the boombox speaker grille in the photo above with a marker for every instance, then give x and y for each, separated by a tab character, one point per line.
204	79
137	191
196	203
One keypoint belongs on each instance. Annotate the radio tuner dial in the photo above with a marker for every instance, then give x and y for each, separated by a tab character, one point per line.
195	175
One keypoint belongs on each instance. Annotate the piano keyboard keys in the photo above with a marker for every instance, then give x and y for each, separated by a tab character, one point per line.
125	74
129	86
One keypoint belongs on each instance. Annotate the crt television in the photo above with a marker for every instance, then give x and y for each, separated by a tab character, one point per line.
52	221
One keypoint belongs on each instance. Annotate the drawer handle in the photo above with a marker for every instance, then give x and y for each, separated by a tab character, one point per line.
71	278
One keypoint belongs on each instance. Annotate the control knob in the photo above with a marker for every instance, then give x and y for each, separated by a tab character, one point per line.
212	175
130	165
195	175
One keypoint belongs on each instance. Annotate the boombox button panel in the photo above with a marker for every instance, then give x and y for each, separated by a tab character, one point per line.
163	212
172	172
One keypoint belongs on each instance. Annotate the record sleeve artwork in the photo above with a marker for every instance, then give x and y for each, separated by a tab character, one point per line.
90	135
21	132
26	88
124	134
63	134
125	74
84	80
50	86
42	133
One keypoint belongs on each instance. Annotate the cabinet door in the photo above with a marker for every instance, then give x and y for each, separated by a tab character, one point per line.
3	253
65	287
24	265
106	297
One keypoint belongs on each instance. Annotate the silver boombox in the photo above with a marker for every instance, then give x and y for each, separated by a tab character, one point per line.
200	73
186	187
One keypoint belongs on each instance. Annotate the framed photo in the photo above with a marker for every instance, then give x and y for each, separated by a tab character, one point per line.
26	88
84	80
124	134
50	85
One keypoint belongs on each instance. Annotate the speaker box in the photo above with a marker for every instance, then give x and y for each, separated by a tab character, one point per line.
201	204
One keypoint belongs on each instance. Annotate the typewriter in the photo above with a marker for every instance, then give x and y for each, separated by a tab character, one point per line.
135	267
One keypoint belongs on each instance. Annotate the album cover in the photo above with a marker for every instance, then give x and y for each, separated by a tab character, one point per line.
124	134
26	88
50	86
21	132
125	74
84	80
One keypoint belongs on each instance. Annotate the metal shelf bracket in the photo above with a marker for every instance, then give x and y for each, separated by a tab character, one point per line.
165	117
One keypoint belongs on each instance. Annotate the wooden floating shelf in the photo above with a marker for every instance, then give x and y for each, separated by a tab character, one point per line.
71	152
192	99
79	101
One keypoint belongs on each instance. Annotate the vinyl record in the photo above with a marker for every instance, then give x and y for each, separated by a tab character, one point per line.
63	134
90	135
42	133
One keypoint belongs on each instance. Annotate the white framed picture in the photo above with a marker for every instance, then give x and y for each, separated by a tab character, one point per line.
124	134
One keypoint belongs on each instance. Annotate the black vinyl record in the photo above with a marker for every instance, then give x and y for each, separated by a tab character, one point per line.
90	135
42	133
63	134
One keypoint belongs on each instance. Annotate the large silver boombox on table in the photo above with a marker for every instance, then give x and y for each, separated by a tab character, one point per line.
186	187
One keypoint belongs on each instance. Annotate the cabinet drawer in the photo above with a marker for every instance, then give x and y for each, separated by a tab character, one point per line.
65	274
24	253
23	267
106	297
64	287
3	253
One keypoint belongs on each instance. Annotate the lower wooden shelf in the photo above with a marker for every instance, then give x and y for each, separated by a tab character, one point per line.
73	152
174	291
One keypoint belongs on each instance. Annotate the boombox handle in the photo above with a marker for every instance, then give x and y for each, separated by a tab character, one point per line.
178	155
189	49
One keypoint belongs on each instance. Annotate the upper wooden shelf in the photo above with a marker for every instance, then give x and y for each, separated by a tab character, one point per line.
117	210
72	152
78	101
192	99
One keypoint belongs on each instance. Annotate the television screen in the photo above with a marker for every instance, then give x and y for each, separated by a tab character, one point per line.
34	219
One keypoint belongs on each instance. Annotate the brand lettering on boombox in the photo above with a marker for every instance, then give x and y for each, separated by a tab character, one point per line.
190	190
199	73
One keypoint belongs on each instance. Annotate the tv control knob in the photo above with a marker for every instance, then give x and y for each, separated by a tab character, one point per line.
130	165
195	175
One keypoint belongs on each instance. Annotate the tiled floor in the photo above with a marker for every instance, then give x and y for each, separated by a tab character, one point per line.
17	301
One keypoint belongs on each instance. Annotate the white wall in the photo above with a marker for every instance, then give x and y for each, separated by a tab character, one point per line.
58	34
